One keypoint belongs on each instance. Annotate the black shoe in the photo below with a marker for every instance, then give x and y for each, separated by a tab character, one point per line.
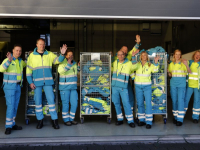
68	123
74	122
141	123
174	121
40	124
16	127
195	121
148	126
132	125
55	124
119	123
8	131
179	123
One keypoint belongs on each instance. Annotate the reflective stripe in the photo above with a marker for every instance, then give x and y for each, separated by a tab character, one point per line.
67	83
7	63
11	73
38	106
186	108
143	75
129	115
90	111
86	110
131	108
125	74
192	78
38	110
149	115
196	109
52	110
194	73
179	71
68	67
71	113
120	80
129	119
119	115
141	117
143	83
114	71
179	116
29	74
68	76
42	67
175	111
4	66
9	119
149	119
29	67
71	117
40	79
11	81
175	114
55	60
155	69
178	75
140	114
9	123
196	113
65	116
53	105
64	113
181	112
86	91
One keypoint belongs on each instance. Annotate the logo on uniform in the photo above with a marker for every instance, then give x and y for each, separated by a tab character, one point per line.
146	69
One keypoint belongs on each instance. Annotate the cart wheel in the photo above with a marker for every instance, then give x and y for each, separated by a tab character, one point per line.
82	120
27	121
165	120
109	120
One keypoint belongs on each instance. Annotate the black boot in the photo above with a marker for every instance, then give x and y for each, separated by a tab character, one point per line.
16	127
55	124
195	121
8	131
179	123
141	123
40	124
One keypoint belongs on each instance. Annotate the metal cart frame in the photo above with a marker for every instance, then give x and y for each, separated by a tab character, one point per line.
82	54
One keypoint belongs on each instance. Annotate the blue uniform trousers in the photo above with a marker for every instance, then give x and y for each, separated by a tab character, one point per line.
48	89
116	93
178	96
144	92
12	101
196	104
69	96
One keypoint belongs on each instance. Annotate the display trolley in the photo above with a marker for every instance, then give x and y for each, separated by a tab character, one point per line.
95	84
30	103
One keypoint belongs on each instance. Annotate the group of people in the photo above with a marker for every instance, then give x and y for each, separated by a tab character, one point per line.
124	65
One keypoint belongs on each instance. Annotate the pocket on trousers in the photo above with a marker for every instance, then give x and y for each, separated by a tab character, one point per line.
62	95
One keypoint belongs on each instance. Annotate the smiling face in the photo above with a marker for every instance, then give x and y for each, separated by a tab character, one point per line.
196	56
144	57
17	51
120	55
177	55
69	55
40	45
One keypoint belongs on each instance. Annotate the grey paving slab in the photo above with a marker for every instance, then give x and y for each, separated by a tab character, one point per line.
8	148
43	148
127	147
25	148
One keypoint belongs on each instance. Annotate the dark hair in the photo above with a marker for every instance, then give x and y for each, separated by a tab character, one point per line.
67	51
17	45
40	39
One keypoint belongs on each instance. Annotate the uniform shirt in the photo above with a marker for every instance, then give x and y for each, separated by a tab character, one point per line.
178	71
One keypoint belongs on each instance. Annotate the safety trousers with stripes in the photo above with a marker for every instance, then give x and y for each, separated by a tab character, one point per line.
116	93
196	104
144	92
48	89
12	101
69	96
178	96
